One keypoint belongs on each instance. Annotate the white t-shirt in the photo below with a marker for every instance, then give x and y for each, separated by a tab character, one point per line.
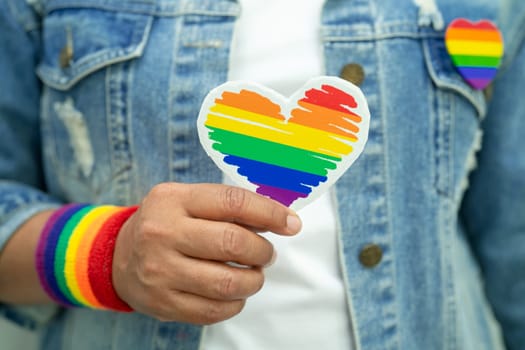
302	304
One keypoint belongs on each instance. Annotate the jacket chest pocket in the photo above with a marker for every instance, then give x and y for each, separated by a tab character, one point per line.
456	121
87	61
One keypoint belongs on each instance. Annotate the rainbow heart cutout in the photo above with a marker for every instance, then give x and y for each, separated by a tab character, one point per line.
476	50
291	150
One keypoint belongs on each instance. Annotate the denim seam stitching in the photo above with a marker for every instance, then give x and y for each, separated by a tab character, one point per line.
177	29
152	12
386	183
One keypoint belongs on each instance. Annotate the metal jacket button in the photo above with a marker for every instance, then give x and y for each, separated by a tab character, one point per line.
370	255
353	73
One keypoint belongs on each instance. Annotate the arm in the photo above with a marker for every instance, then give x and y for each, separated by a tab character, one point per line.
171	257
21	178
22	193
494	207
19	282
170	260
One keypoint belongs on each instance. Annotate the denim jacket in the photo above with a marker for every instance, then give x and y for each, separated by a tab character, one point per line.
99	99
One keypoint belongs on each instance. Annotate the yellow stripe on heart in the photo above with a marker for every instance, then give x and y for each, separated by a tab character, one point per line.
278	131
480	48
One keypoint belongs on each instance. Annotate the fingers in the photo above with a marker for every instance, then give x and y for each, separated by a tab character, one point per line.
171	257
179	288
217	281
241	206
219	241
199	310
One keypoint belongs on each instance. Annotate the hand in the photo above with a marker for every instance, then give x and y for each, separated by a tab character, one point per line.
171	256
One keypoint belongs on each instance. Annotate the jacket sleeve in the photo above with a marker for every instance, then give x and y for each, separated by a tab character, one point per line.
22	190
493	210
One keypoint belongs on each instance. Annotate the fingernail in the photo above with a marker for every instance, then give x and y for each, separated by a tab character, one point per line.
272	261
293	223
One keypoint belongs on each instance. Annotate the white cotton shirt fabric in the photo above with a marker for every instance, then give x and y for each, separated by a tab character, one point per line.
303	303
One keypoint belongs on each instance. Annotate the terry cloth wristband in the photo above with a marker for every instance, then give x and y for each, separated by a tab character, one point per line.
74	256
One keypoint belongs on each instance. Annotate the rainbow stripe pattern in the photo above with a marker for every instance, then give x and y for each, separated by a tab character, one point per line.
284	158
74	255
476	50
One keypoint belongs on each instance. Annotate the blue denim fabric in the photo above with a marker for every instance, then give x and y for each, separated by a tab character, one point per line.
121	117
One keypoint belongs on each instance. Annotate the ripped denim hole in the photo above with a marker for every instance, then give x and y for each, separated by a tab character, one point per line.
78	134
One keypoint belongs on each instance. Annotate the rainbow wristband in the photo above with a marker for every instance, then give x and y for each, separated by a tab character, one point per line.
74	256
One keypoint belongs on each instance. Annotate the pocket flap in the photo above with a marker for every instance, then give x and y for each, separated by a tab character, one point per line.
79	41
445	76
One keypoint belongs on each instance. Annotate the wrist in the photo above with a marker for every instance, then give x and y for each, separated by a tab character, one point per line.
75	253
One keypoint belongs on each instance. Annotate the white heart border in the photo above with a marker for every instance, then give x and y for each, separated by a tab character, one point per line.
287	105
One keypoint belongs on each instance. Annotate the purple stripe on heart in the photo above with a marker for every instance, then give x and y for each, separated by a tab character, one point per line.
281	195
477	77
479	83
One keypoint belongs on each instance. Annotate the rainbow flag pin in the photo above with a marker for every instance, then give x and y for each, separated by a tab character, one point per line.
291	150
476	50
